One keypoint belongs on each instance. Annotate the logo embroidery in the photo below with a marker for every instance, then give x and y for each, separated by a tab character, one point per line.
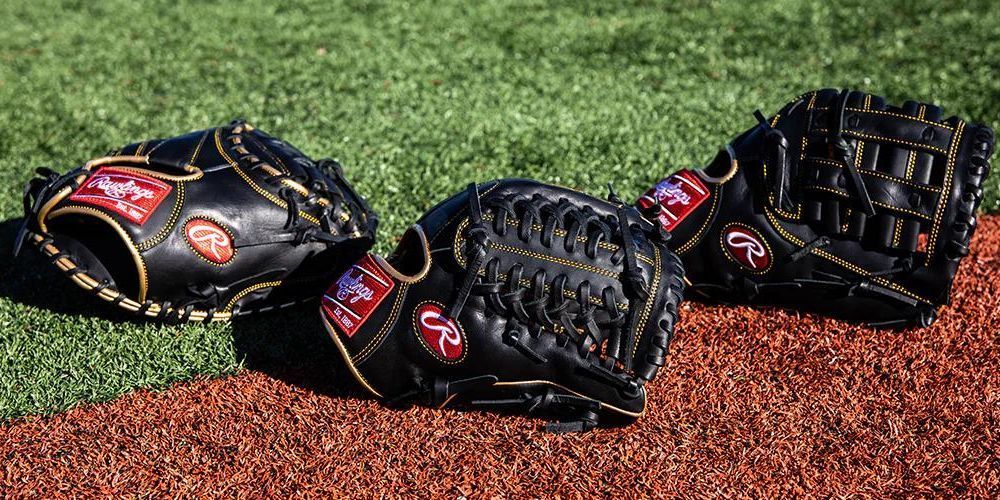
209	240
441	334
132	195
356	294
676	197
746	247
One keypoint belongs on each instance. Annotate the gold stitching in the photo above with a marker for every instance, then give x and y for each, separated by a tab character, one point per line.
939	212
270	197
136	256
87	282
876	173
175	213
878	138
896	115
400	294
248	290
837	260
704	224
648	309
347	357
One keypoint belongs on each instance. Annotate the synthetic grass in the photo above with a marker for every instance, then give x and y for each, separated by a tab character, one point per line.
751	403
417	100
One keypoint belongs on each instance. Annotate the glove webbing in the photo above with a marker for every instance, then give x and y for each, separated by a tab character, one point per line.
527	307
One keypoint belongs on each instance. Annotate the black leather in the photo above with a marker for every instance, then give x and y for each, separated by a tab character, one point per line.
518	352
235	177
920	174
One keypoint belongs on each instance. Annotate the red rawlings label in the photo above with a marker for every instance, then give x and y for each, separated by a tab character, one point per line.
209	240
677	196
355	296
747	247
440	333
132	195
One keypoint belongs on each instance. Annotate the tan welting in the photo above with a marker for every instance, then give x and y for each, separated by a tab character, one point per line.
253	185
88	283
734	166
194	173
347	357
136	257
426	254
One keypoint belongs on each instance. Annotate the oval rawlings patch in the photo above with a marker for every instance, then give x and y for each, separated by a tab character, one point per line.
441	335
209	240
746	247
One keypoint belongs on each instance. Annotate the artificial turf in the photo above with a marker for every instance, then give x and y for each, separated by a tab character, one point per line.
416	100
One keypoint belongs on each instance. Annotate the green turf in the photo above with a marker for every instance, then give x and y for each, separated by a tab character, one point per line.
416	100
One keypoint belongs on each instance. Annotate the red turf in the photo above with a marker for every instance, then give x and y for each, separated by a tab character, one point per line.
750	402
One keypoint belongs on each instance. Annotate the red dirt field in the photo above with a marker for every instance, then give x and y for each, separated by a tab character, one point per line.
750	403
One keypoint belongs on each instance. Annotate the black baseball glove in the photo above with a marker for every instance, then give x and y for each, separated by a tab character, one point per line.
839	204
516	295
200	227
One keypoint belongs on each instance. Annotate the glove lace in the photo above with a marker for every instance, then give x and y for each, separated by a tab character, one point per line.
593	320
338	216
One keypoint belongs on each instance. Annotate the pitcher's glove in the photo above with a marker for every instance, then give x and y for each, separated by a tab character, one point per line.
514	295
200	227
839	204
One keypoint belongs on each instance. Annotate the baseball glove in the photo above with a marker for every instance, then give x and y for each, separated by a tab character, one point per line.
514	295
200	227
839	204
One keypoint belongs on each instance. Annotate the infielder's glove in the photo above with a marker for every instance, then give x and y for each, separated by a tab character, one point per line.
200	227
516	295
839	204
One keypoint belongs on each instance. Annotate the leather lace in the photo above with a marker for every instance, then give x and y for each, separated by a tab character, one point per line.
318	188
542	305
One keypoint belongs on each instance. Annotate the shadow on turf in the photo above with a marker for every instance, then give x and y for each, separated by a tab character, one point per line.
291	345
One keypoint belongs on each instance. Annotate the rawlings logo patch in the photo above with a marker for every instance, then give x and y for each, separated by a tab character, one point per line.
441	335
677	196
132	195
209	240
746	247
356	294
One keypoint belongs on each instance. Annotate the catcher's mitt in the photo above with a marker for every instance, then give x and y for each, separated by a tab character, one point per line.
517	295
839	204
200	227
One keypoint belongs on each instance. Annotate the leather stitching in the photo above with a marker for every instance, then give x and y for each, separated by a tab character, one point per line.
175	213
248	290
704	224
895	115
949	171
647	310
882	175
253	185
837	260
879	138
391	320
